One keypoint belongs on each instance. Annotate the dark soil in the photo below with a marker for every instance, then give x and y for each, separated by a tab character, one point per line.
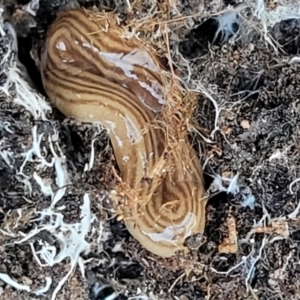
258	136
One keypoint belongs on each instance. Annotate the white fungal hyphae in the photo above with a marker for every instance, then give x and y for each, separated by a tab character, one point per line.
228	23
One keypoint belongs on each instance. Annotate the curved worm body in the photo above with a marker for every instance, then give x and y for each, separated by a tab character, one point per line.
90	71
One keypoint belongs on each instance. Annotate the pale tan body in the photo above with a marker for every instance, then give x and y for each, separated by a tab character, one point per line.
93	74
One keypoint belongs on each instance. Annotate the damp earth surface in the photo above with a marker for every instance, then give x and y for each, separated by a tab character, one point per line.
243	61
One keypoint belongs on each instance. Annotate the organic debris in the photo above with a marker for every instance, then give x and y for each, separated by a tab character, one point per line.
55	172
229	244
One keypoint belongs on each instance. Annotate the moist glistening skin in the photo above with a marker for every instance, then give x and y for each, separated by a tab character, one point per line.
90	71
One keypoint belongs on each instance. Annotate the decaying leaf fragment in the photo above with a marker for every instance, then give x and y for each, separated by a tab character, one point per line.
229	244
279	227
